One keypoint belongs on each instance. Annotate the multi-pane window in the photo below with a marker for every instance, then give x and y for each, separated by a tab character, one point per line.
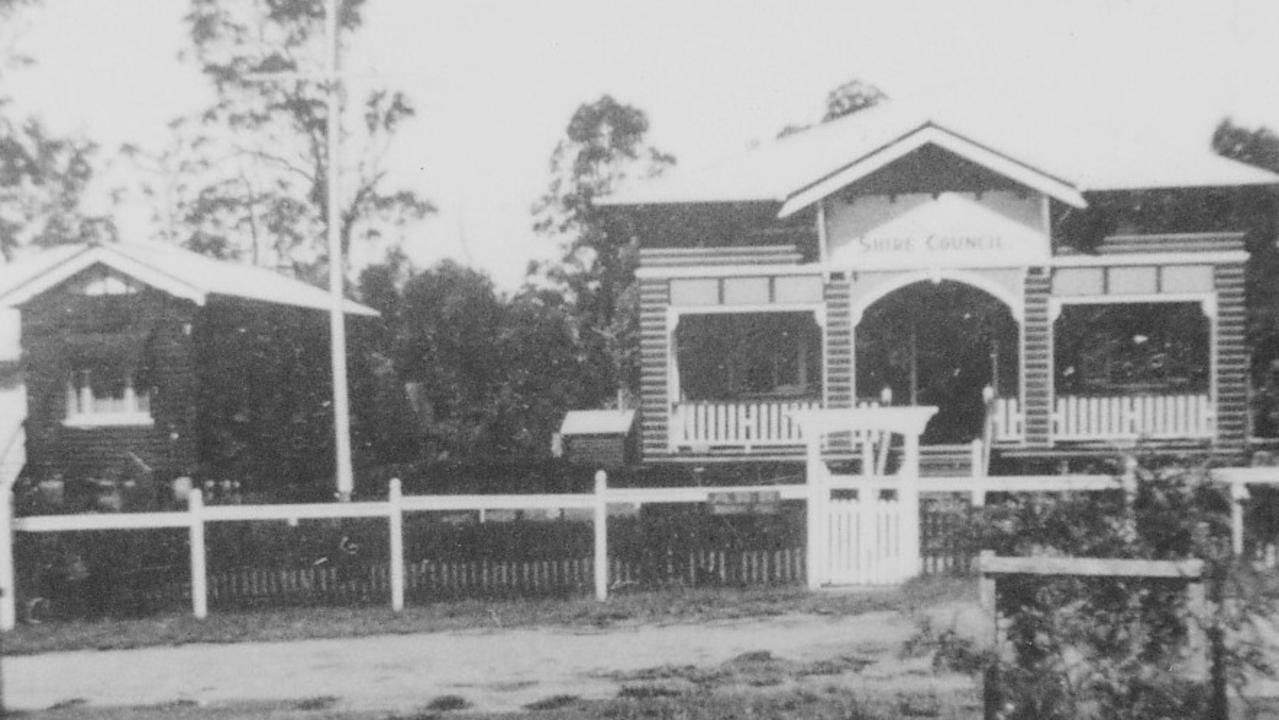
106	396
752	355
1127	348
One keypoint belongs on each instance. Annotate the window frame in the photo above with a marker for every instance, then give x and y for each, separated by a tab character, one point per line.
80	395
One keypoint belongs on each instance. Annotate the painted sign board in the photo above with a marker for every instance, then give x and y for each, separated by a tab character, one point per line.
754	502
920	231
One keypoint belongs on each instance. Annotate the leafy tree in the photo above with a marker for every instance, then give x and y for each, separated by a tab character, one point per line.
247	177
489	377
843	100
605	145
42	177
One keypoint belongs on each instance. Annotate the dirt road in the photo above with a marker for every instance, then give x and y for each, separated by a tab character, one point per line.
492	669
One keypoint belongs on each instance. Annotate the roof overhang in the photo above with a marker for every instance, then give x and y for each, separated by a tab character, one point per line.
932	134
100	255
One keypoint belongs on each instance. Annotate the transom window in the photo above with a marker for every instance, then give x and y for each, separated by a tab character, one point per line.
106	396
101	281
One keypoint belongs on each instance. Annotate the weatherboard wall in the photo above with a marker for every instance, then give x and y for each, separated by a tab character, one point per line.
655	353
1231	358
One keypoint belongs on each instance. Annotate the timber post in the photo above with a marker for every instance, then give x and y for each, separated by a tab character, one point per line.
395	526
601	536
199	571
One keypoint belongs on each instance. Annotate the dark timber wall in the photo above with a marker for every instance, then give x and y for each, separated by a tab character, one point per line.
62	329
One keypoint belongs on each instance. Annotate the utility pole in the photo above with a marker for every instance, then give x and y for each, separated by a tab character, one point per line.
337	312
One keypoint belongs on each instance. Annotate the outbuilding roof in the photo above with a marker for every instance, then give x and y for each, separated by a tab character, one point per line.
1061	161
598	422
176	271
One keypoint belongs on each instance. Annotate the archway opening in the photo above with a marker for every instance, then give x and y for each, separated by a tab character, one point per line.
938	343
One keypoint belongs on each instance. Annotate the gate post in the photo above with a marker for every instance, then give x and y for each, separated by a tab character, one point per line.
908	499
818	493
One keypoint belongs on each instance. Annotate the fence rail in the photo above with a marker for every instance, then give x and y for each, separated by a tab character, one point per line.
593	569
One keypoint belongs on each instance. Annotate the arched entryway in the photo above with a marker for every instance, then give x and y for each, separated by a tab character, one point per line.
938	343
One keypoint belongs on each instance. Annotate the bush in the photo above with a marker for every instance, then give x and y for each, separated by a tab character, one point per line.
1116	647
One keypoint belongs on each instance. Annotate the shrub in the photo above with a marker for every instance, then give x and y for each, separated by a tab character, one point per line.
1115	647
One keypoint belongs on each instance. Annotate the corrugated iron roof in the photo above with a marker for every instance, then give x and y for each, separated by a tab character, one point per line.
167	267
1099	157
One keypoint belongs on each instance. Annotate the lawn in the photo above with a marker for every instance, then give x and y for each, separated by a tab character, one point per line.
632	608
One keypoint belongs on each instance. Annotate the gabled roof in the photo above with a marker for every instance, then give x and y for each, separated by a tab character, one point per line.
168	268
1061	162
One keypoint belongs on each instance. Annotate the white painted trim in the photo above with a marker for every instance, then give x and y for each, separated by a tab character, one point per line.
1169	258
92	420
101	255
817	308
718	271
823	252
932	134
1016	305
1207	301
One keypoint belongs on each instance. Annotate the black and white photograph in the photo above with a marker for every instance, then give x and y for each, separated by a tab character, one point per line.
665	360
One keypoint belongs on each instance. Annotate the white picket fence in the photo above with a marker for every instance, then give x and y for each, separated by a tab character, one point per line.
865	541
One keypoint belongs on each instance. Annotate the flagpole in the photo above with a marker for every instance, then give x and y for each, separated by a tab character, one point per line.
337	316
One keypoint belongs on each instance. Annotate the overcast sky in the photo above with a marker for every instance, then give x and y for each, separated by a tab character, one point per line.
495	82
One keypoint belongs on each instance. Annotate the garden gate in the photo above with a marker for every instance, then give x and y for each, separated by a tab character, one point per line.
863	529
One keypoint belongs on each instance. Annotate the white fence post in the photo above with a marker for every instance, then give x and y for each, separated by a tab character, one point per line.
817	515
601	536
395	521
908	504
8	612
199	571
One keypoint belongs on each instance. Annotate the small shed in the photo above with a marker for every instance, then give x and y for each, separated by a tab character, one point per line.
599	438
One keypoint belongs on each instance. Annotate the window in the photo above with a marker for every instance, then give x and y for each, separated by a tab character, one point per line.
1108	349
101	281
759	355
104	396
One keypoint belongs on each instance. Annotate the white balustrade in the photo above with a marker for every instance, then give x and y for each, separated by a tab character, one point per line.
1188	416
746	423
1006	420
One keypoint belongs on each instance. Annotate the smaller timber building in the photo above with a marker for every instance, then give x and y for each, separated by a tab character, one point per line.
1052	302
146	361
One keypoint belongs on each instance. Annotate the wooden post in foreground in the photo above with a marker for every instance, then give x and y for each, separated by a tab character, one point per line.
1238	495
989	593
395	523
601	536
199	571
8	611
